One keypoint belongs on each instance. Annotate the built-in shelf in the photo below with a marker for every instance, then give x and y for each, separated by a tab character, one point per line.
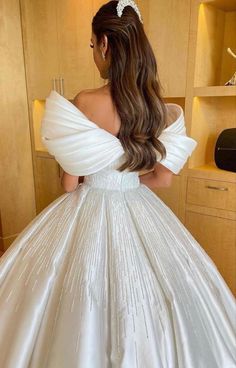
210	109
213	106
225	5
215	34
210	116
38	108
217	91
43	153
211	171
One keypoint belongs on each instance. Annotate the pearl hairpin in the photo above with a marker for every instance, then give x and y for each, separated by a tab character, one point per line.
123	3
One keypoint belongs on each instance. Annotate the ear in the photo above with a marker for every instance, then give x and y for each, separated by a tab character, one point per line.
104	43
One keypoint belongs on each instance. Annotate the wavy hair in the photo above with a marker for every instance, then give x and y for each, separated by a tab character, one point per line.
134	85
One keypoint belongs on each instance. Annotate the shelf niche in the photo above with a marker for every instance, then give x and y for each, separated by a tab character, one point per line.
216	32
211	115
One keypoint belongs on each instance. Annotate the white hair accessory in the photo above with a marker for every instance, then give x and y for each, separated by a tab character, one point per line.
123	3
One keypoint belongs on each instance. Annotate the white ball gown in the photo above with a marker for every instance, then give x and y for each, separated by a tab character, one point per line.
107	276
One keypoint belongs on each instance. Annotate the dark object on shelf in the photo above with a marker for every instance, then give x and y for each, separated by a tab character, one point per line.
225	150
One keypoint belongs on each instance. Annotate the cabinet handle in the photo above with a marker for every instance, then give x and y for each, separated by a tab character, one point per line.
225	149
62	86
54	83
57	82
59	170
217	188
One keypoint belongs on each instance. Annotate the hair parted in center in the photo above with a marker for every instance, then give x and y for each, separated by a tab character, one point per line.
134	85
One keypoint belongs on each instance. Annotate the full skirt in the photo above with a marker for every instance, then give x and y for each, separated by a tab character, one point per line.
111	279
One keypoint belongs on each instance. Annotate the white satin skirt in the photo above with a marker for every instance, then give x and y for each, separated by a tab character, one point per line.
112	279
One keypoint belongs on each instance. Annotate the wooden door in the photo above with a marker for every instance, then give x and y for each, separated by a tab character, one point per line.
39	24
217	236
48	182
168	32
75	55
17	202
171	196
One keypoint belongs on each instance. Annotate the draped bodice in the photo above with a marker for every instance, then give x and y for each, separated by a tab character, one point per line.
82	148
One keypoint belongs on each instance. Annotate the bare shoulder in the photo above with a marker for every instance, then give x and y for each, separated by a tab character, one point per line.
84	98
81	98
97	105
89	94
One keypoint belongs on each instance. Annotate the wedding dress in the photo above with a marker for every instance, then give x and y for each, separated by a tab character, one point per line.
107	276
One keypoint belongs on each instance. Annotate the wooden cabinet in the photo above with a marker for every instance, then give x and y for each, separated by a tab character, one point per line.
74	20
211	193
210	208
17	196
48	181
172	195
214	66
39	26
62	34
56	38
168	32
217	236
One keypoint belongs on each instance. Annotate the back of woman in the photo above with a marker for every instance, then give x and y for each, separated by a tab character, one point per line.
107	275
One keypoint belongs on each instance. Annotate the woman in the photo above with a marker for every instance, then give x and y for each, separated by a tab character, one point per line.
106	275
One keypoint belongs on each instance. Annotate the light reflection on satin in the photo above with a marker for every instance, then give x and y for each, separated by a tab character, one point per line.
107	276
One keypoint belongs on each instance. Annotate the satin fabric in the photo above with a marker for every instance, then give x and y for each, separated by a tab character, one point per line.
82	147
108	277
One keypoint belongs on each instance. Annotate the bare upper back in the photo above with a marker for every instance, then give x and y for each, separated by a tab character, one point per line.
98	106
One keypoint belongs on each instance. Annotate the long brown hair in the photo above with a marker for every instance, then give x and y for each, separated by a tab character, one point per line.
134	85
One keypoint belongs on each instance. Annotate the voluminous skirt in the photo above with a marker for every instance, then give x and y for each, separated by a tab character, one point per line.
104	278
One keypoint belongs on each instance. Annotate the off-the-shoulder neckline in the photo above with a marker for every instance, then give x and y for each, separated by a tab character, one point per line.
97	126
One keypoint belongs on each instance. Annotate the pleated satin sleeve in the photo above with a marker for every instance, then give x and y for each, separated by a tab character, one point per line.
81	147
78	145
178	145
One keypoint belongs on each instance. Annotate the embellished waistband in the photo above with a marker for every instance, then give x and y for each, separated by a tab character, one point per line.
113	180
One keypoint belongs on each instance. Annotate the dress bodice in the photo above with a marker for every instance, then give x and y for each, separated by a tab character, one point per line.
82	148
113	179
